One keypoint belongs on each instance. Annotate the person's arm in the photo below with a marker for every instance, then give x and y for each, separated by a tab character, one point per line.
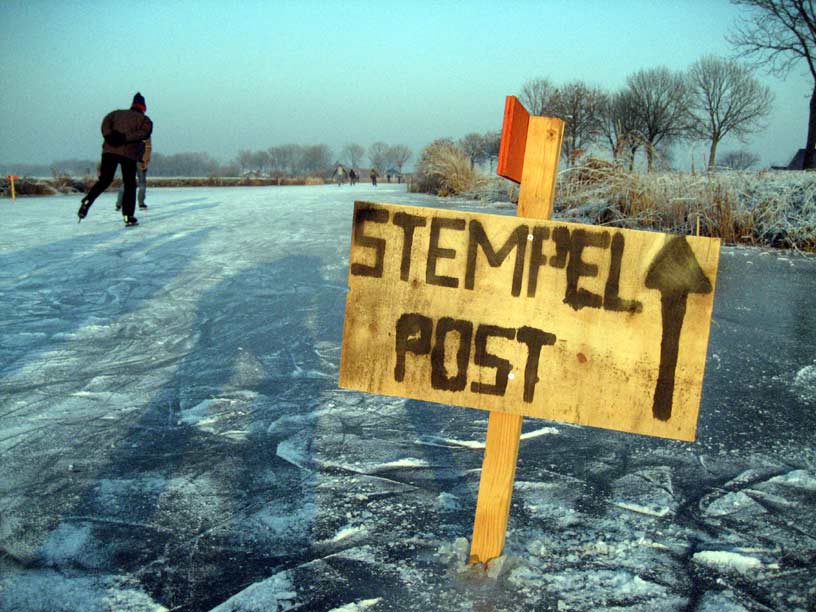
143	130
112	136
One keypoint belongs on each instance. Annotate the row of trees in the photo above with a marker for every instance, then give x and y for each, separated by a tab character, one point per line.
713	99
481	148
657	107
289	160
311	160
178	164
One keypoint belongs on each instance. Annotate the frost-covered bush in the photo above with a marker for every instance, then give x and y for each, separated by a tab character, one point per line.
63	183
27	186
444	169
775	208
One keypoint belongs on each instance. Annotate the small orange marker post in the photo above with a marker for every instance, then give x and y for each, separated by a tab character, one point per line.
11	178
528	154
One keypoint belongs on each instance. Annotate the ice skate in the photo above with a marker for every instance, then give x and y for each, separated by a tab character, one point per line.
83	209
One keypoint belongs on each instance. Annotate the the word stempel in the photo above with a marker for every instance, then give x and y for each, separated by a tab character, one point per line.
582	324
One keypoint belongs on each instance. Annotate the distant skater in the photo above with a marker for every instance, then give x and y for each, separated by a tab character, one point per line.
352	177
340	175
373	174
124	132
141	178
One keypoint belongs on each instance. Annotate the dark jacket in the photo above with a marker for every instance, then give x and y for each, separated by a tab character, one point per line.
125	131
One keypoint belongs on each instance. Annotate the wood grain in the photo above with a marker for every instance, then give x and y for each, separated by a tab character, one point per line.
541	155
503	429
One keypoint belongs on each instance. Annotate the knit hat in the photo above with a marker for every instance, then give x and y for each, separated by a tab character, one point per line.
139	102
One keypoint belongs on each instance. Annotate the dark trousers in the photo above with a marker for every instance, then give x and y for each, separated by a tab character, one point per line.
107	170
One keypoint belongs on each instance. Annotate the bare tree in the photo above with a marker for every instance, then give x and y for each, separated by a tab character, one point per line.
537	96
293	155
398	155
71	167
725	99
316	160
260	161
378	156
285	159
245	159
622	127
275	162
353	153
473	146
661	98
491	141
780	33
183	164
739	160
581	108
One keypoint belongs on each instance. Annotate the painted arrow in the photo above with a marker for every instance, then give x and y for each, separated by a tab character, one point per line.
674	272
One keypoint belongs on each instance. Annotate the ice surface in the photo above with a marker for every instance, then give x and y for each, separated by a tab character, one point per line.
39	590
173	437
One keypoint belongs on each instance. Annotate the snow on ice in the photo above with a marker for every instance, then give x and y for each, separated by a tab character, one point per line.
173	437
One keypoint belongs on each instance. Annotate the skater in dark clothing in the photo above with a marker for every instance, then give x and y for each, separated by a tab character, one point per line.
373	175
124	132
352	177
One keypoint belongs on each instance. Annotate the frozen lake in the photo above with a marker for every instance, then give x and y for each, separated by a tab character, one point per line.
173	437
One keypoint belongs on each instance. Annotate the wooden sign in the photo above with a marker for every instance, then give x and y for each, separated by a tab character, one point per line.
581	324
522	316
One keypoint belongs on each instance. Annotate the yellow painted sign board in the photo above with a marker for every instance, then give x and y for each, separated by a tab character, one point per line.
582	324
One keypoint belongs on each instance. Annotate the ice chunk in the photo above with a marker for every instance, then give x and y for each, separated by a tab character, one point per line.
647	491
346	533
275	593
796	478
805	383
408	462
358	606
733	503
727	560
198	415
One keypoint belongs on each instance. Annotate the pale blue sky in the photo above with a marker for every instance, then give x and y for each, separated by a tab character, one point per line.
222	76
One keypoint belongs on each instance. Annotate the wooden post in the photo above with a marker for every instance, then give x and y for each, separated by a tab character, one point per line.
11	180
539	145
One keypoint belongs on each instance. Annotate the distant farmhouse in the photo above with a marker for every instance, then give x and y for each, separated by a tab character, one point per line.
797	163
